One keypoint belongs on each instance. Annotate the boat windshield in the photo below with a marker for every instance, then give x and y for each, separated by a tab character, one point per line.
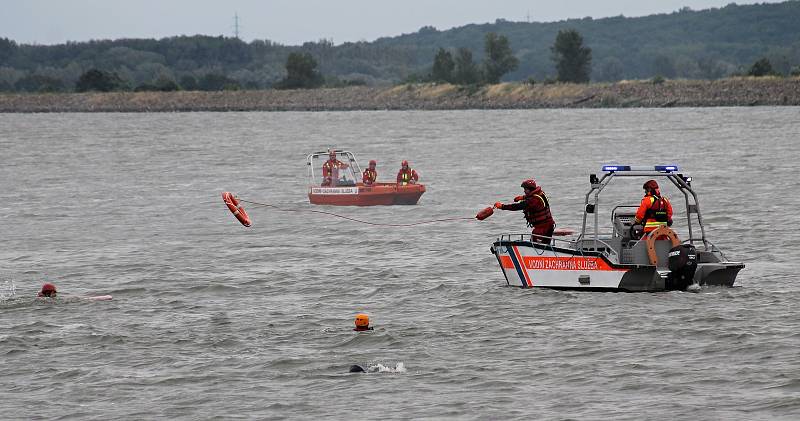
334	172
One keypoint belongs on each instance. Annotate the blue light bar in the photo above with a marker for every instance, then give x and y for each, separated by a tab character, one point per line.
666	168
612	168
659	168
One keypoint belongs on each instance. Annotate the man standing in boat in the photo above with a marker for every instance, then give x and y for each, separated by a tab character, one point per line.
370	174
654	211
330	169
406	175
536	208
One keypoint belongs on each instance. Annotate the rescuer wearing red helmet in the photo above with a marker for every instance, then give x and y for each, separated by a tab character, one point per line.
330	169
48	290
654	211
362	323
370	174
406	175
536	209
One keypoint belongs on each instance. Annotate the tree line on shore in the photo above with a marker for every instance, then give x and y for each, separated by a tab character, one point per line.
734	40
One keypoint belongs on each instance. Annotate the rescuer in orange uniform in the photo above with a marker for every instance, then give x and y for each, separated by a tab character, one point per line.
406	175
370	174
536	208
654	211
330	169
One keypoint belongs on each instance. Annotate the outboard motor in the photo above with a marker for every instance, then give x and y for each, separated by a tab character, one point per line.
682	266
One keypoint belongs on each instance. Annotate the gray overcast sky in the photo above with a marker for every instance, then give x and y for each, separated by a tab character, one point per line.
292	22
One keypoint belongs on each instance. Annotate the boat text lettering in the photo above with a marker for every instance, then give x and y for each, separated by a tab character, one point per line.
564	263
334	190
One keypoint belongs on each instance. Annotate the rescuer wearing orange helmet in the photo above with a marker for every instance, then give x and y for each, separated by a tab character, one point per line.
536	208
48	290
362	323
654	211
406	175
330	169
370	174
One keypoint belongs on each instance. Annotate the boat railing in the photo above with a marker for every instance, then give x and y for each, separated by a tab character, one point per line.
572	244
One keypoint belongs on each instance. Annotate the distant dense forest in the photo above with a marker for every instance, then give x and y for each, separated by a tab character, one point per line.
706	44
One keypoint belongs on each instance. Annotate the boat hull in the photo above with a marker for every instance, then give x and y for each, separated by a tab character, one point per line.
717	274
360	195
533	265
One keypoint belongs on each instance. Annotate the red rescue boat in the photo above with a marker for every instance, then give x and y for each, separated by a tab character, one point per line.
340	184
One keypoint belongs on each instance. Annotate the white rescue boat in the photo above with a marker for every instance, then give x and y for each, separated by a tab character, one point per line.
619	258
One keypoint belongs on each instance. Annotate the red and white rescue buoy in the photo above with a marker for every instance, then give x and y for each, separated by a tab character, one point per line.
236	208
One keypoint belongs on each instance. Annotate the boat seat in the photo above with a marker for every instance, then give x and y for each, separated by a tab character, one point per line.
623	220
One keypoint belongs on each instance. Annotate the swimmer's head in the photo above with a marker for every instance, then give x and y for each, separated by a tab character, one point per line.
48	290
362	322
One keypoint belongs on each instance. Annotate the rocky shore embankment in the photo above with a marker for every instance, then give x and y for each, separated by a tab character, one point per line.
670	93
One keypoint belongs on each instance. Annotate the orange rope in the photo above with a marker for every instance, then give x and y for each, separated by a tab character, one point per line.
354	219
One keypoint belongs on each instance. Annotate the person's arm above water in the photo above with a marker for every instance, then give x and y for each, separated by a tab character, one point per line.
511	206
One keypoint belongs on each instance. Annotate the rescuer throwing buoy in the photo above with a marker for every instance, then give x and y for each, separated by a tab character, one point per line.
536	209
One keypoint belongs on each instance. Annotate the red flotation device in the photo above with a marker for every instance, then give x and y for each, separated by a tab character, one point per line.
484	213
236	208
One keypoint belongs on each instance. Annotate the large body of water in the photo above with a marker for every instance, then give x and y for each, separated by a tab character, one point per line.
211	319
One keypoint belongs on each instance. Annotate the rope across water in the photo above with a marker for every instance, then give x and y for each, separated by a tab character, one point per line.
267	205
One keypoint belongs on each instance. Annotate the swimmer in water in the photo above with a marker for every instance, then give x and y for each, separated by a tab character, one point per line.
362	323
48	290
355	368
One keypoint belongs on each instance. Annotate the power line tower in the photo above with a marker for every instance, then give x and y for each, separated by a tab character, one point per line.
236	25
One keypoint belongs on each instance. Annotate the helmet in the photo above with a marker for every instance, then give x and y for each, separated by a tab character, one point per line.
650	185
372	163
362	320
529	184
404	163
48	289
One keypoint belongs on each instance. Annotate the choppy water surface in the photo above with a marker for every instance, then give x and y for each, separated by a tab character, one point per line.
210	319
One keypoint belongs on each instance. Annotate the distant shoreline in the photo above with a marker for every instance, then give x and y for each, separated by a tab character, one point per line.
625	94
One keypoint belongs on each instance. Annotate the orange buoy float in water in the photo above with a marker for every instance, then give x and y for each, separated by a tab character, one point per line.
362	323
236	208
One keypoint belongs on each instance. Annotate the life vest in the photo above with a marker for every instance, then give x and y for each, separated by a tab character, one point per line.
656	214
540	216
329	166
369	176
406	176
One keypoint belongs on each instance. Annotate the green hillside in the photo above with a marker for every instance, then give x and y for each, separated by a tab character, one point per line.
690	44
705	44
